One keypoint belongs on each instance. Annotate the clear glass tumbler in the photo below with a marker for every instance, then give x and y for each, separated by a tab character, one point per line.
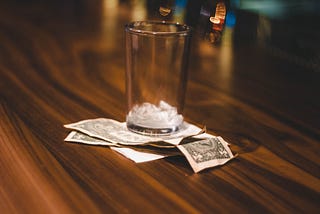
156	76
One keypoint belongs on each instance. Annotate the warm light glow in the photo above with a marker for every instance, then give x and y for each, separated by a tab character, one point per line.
221	11
220	16
110	8
214	20
138	10
109	23
164	11
226	56
110	5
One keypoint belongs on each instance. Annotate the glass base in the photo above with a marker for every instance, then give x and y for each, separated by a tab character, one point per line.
152	131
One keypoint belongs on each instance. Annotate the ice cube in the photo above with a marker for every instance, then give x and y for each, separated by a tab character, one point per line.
150	115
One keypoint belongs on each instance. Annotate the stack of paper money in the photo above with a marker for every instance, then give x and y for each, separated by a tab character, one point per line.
201	149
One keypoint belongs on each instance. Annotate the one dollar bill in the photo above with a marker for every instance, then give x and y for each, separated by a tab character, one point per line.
117	132
137	154
206	153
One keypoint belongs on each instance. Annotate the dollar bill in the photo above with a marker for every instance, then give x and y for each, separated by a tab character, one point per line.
78	137
117	132
205	153
202	150
137	154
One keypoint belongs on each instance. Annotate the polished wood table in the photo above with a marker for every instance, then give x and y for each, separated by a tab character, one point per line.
63	61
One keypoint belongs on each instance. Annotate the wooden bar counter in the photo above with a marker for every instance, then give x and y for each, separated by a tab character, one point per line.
258	88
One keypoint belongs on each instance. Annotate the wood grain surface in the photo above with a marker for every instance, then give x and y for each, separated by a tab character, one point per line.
63	61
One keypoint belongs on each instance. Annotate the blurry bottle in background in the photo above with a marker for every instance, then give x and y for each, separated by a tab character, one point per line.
211	21
207	17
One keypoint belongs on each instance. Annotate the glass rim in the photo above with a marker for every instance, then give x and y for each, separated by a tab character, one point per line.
130	27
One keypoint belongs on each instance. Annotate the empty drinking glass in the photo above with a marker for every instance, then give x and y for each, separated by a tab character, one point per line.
156	76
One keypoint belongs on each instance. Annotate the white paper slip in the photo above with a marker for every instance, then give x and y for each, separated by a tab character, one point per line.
137	156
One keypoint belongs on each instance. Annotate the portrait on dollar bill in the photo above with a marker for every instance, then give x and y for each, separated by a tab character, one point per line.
206	153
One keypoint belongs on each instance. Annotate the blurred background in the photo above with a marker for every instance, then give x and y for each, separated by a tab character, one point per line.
289	29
